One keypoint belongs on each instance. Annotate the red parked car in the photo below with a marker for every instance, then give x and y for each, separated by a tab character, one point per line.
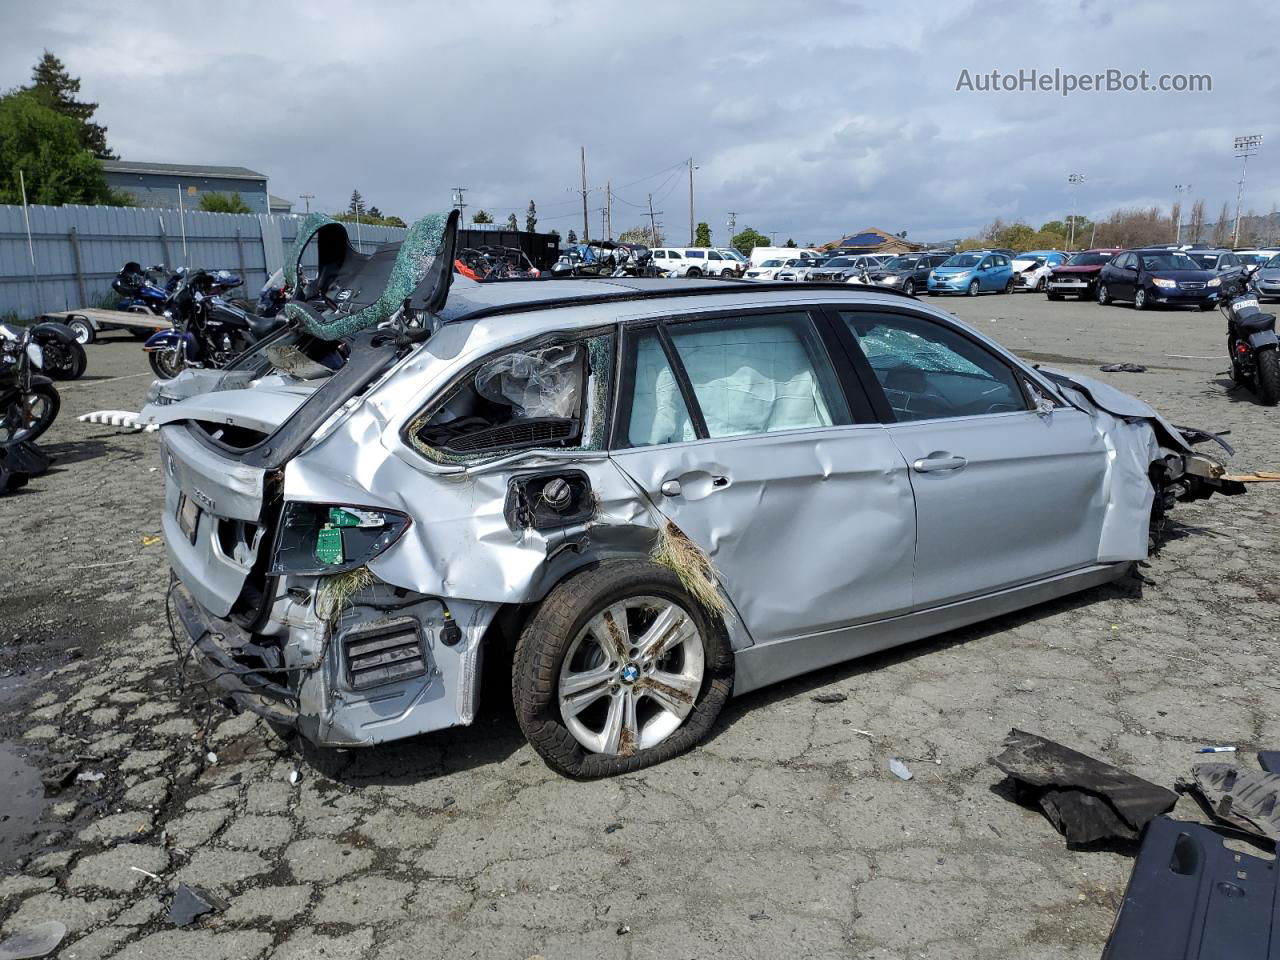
1079	275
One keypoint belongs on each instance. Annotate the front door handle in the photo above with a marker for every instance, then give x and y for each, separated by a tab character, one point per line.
938	461
670	488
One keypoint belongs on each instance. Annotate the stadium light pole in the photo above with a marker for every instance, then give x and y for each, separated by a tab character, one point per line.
1245	147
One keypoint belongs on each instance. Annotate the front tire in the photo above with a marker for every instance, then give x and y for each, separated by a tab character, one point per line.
1140	299
165	364
619	669
1269	377
973	288
909	288
24	417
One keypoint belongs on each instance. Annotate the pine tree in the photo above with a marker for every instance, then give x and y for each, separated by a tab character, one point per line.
375	213
702	235
571	238
513	223
481	216
57	89
531	218
356	206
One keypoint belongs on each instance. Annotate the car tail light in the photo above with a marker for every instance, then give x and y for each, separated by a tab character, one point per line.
322	538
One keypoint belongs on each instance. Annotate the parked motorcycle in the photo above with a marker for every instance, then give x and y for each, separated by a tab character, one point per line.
143	290
1251	339
207	330
28	401
64	357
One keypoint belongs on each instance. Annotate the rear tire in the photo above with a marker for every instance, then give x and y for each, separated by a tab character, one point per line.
13	414
83	330
1269	377
1008	287
1104	295
554	638
693	272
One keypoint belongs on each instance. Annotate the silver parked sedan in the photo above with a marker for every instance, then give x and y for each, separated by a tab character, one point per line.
646	496
1267	279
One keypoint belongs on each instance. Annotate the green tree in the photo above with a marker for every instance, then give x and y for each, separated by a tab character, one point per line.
1222	229
702	236
356	206
512	222
790	243
223	203
748	238
644	235
57	89
375	214
531	218
481	216
571	238
46	146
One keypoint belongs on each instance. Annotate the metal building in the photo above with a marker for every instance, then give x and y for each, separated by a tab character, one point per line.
159	184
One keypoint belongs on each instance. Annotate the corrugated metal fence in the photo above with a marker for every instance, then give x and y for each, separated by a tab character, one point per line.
78	249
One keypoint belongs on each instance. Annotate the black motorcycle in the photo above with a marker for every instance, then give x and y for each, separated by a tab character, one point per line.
28	401
207	330
1251	339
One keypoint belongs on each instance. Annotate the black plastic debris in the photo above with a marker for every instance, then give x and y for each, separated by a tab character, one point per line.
192	902
1192	897
1085	799
835	697
1242	797
38	940
1269	760
57	777
1123	368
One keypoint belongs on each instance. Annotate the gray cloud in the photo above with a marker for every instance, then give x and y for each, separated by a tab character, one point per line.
812	120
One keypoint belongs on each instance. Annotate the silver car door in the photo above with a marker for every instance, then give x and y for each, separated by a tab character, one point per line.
738	431
1005	494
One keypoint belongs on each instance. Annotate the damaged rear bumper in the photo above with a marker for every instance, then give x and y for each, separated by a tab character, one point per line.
379	672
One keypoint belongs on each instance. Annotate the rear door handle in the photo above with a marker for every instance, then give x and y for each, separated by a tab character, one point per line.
937	462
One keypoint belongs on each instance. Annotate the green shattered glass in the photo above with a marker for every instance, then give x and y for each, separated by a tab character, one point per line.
417	252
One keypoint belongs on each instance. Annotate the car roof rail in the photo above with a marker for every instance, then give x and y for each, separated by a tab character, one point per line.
719	288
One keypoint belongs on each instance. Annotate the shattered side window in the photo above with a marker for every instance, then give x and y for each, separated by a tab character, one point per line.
928	372
549	395
759	374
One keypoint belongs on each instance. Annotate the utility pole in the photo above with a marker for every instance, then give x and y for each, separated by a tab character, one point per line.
653	224
586	230
733	224
1245	148
1073	180
608	210
457	198
1180	188
308	197
691	169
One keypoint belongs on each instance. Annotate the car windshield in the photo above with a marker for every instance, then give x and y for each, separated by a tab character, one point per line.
1089	259
901	263
962	260
1274	261
772	263
1035	261
1204	259
839	262
1168	261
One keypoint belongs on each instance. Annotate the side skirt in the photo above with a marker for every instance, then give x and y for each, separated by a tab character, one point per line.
759	666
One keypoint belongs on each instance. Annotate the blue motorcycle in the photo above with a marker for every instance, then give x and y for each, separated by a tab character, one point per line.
141	291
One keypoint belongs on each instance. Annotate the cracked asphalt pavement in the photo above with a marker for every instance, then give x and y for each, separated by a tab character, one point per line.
784	835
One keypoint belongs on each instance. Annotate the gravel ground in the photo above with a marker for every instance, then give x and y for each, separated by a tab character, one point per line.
784	835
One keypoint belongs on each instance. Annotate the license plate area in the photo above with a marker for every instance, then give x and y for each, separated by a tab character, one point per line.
188	517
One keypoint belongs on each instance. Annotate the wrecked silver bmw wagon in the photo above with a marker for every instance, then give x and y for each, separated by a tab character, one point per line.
644	495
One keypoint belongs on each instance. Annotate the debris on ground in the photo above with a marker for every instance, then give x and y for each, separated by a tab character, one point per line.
835	697
211	758
899	769
613	828
1085	799
1123	368
294	777
1269	760
192	902
1244	798
59	776
758	916
90	776
38	940
623	930
1216	750
1191	896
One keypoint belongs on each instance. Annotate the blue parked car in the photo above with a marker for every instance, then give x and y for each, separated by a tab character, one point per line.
972	273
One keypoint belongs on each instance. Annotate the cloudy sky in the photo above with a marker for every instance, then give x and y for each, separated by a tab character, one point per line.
809	119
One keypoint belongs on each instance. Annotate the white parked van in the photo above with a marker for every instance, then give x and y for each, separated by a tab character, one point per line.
760	254
695	262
